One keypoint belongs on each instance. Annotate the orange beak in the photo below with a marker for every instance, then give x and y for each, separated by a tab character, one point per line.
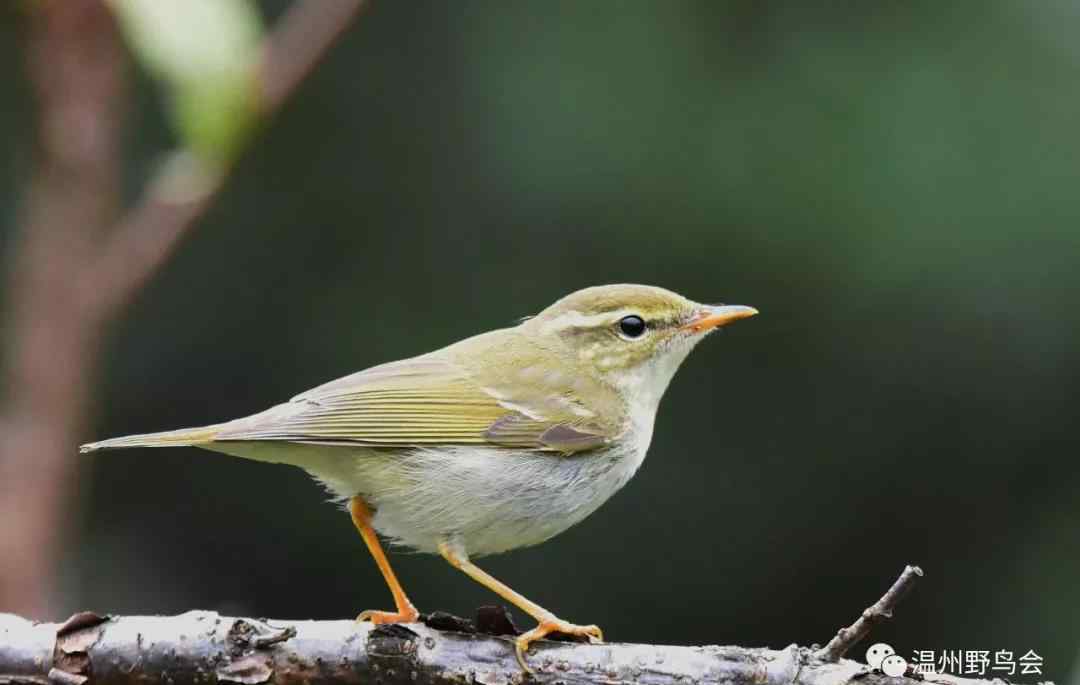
720	315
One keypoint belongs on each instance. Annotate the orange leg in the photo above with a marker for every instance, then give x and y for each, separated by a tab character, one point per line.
406	612
548	622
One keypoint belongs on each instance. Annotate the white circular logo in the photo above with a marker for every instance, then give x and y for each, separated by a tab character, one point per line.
877	653
894	665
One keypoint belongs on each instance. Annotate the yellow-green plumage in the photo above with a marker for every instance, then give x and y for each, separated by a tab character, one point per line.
498	441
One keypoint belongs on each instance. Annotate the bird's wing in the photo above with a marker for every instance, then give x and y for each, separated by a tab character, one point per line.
417	402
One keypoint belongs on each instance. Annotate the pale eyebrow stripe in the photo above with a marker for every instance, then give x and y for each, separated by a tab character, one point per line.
576	319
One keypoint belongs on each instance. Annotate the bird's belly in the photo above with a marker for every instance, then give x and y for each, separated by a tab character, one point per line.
487	499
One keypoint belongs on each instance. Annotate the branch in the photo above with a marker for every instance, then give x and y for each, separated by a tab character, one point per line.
75	65
183	188
846	638
204	647
301	38
77	265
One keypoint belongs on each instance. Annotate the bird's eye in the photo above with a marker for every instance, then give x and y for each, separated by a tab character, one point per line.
632	326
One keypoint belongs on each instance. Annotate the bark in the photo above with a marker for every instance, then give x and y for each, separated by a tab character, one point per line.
202	647
199	648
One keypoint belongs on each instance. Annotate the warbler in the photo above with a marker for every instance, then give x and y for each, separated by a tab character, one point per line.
499	441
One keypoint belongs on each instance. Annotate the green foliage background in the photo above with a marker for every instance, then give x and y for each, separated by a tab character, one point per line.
894	186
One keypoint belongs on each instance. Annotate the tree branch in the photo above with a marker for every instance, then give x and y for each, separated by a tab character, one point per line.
300	40
75	63
183	188
76	265
846	638
204	647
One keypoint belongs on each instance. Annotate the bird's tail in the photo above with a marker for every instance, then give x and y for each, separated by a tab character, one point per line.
178	438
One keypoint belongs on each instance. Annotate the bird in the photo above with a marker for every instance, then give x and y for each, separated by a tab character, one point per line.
497	442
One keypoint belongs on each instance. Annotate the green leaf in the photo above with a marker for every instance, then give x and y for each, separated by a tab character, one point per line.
206	53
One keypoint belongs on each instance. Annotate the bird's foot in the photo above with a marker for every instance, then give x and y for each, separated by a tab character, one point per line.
549	626
407	615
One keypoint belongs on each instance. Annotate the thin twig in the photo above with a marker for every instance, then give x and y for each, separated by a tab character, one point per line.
183	189
174	198
300	40
846	638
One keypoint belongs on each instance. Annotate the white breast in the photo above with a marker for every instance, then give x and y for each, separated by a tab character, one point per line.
490	500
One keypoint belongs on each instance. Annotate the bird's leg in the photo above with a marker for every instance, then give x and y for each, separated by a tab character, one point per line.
406	612
548	622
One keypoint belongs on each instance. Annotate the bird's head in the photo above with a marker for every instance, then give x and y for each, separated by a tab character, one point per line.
634	337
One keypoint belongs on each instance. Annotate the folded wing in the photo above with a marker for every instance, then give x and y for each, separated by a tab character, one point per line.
418	402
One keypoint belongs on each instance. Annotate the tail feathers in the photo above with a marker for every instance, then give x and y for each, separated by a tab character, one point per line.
177	438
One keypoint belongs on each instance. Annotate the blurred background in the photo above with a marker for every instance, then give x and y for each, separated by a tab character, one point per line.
893	185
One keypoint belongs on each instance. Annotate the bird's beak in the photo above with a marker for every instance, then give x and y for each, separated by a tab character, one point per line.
719	315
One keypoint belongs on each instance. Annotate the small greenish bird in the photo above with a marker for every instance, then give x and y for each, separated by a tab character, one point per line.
499	441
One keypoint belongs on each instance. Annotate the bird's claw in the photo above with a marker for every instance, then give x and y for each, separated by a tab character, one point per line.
549	626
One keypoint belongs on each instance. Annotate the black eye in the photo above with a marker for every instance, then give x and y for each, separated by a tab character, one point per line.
632	326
